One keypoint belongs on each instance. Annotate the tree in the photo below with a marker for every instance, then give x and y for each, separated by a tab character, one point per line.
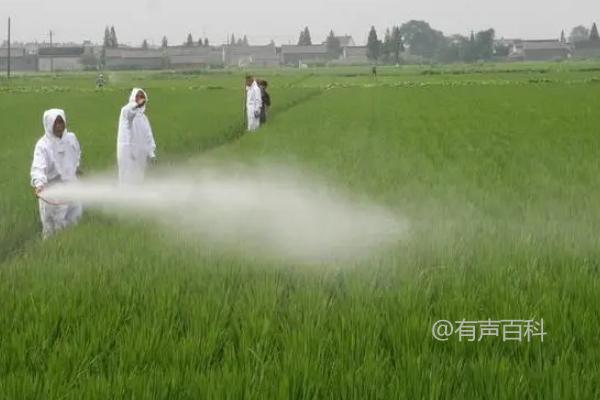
114	43
245	41
190	41
333	45
579	33
470	53
373	45
206	43
421	39
240	42
386	47
145	44
485	44
563	39
455	49
305	39
594	33
107	40
165	42
232	41
397	45
200	42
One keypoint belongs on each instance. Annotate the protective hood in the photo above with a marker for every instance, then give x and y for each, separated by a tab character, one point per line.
134	93
49	119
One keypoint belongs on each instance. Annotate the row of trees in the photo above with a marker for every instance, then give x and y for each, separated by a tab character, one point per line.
243	41
110	40
581	33
423	41
189	42
305	39
110	37
419	36
430	44
388	50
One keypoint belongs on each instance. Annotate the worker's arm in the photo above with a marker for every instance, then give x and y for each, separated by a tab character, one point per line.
131	110
39	166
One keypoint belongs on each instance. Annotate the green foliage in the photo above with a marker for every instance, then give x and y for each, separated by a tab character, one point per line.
107	39
114	43
334	47
422	39
110	38
594	32
373	45
484	41
189	42
305	39
396	45
392	46
579	33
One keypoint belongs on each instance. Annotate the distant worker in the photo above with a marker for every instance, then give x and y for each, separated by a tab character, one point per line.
56	160
374	71
135	140
100	82
266	101
253	103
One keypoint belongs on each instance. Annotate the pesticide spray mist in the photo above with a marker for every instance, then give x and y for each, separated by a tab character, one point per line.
268	211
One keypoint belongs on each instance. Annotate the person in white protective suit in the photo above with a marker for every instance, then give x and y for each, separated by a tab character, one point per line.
253	103
135	141
56	160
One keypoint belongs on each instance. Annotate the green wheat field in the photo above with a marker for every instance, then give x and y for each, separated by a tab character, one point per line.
496	168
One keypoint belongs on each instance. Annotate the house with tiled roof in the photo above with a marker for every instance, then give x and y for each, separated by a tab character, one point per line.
539	50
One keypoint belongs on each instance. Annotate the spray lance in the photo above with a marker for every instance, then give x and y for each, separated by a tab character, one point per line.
37	193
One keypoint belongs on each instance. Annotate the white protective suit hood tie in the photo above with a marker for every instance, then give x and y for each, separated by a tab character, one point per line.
48	121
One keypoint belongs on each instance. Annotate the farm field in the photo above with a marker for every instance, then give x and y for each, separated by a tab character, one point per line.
495	168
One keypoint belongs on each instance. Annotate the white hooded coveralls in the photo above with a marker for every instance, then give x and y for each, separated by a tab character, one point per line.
135	141
253	106
55	160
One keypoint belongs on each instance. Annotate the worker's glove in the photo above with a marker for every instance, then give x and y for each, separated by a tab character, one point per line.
153	161
256	114
79	172
37	190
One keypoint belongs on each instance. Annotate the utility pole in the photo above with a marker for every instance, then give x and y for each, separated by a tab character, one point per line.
8	53
51	58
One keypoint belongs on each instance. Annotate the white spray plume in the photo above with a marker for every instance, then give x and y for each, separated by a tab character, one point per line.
270	211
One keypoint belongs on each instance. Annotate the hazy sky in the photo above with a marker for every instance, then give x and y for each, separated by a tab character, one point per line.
281	20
